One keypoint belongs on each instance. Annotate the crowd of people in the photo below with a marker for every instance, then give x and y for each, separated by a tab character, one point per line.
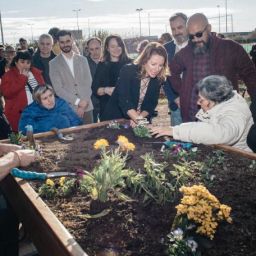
54	86
107	84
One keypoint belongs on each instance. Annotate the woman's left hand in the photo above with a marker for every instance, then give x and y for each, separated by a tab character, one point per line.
132	123
161	131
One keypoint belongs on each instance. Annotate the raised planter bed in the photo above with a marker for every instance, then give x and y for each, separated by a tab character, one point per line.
234	187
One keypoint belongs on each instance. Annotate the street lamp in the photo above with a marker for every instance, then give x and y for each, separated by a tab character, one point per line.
1	27
226	6
149	24
76	11
139	10
219	16
31	28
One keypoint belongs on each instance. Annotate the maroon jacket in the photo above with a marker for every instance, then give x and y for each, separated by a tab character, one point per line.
227	58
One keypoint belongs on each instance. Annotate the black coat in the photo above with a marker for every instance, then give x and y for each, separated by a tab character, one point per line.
43	65
106	75
127	92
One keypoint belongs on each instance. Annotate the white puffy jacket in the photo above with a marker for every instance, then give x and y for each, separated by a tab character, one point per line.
226	123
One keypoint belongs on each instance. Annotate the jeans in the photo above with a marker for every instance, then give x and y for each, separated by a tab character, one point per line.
176	117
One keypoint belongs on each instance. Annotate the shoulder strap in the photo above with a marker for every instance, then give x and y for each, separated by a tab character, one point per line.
30	88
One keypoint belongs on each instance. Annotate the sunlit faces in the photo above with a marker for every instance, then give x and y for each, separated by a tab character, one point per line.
154	65
179	30
94	49
48	99
9	55
204	103
45	46
199	34
23	65
114	49
65	43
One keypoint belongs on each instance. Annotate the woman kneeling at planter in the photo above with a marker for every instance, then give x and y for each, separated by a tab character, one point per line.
137	91
224	117
47	112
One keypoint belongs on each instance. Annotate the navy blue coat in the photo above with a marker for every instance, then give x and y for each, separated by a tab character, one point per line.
169	91
43	120
126	94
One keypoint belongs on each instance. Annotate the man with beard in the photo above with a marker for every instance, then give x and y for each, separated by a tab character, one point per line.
71	78
180	35
205	55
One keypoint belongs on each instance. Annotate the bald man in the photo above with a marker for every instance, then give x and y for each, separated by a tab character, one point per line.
206	54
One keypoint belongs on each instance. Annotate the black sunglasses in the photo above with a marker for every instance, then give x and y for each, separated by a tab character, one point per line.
198	34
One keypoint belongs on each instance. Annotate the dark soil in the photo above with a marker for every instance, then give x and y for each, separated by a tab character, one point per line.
137	229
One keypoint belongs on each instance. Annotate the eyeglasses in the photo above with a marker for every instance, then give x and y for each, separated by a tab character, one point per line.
198	34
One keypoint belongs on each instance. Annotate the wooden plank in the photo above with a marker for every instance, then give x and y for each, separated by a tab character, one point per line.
48	234
69	130
46	231
232	150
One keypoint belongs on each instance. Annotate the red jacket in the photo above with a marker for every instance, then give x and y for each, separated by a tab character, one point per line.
227	58
13	89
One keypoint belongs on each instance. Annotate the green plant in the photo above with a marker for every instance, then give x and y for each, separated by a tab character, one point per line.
63	188
15	138
107	177
66	187
141	131
198	216
178	246
153	182
183	171
48	189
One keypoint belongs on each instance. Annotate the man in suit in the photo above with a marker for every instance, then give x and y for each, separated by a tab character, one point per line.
71	78
180	35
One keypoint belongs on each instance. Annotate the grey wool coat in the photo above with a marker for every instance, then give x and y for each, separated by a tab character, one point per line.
66	85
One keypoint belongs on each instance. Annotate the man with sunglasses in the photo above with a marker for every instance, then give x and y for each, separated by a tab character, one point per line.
205	55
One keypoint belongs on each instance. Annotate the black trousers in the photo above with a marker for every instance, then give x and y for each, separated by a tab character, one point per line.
9	229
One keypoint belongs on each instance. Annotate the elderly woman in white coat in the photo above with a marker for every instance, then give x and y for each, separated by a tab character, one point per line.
224	117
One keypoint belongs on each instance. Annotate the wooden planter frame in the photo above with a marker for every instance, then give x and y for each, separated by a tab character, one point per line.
46	231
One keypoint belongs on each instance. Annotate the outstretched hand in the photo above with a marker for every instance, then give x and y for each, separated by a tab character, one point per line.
26	156
6	148
161	131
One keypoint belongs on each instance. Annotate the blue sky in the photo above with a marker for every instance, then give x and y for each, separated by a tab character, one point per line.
31	18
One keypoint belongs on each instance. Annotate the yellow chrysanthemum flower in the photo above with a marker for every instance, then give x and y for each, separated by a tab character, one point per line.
49	182
129	146
122	139
203	208
100	144
124	143
62	181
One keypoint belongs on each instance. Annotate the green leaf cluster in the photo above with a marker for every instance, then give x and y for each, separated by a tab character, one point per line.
141	131
15	138
57	190
107	177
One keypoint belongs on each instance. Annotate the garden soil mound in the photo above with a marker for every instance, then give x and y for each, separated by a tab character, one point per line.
133	228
